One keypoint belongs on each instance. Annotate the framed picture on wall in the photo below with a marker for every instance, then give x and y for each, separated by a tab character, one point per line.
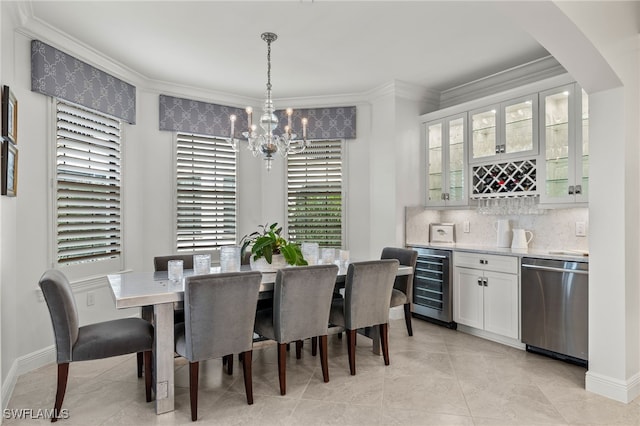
9	169
9	115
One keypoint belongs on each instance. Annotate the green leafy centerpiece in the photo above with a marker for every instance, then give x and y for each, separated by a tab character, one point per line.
270	251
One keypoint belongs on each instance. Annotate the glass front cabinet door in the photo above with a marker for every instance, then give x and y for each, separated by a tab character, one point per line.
564	138
504	130
446	165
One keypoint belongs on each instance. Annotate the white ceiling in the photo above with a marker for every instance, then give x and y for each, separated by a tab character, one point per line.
323	47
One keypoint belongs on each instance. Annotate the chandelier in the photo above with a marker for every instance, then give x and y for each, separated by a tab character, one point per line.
266	142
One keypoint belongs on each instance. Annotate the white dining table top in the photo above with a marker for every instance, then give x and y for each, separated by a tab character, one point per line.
132	289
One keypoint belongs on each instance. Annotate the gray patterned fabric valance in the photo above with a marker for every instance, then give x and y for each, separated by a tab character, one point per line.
323	123
54	73
186	115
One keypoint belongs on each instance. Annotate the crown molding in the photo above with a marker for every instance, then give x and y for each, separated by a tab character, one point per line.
520	75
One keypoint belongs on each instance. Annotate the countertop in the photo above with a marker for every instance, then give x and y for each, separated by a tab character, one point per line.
487	249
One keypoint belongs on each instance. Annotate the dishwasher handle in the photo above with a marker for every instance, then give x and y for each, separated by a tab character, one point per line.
552	269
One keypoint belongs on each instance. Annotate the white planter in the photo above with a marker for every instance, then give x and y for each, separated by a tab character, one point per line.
277	262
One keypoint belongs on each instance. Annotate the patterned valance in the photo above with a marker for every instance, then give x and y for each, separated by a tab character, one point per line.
186	115
54	73
323	123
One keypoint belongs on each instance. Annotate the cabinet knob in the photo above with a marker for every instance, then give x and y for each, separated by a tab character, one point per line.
578	189
571	190
480	281
485	282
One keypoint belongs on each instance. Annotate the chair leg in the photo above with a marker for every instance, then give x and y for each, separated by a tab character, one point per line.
140	356
228	360
384	342
246	371
63	375
323	358
193	389
299	345
282	367
351	349
314	345
407	318
147	374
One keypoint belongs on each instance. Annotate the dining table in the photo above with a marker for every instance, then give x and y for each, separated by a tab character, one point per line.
146	288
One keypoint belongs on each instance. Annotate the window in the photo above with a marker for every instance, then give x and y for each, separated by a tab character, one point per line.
206	193
314	194
88	225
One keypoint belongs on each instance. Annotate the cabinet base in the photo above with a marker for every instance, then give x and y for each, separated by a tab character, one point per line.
452	325
491	336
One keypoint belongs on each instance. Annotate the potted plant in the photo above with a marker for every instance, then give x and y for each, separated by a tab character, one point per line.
270	251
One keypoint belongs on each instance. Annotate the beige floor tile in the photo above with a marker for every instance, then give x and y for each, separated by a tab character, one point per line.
437	377
509	401
335	413
435	395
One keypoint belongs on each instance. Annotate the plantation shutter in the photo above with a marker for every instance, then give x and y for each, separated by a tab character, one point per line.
314	194
206	193
87	185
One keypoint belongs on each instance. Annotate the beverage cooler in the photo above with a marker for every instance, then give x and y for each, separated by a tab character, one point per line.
432	298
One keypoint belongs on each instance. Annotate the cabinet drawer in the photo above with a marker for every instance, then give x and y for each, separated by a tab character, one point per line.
486	262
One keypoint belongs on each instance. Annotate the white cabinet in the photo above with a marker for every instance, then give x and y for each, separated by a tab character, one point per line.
446	165
505	130
564	139
486	292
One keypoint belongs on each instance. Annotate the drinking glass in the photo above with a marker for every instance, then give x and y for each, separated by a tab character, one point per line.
328	256
201	264
230	259
310	252
174	270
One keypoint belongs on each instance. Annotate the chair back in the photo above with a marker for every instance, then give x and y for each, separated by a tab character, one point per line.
219	311
406	257
367	292
302	301
161	263
64	313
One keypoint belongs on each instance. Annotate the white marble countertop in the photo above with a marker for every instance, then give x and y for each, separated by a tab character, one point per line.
568	255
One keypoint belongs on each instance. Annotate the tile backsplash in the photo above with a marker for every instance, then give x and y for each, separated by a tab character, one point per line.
553	230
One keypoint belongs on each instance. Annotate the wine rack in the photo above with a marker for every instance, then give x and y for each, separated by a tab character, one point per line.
504	179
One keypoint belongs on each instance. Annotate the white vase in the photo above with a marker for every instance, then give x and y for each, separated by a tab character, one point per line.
277	262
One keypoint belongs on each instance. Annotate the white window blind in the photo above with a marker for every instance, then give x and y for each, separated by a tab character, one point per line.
314	194
87	185
206	193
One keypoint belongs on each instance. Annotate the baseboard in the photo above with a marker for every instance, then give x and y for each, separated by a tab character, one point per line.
491	336
23	365
620	390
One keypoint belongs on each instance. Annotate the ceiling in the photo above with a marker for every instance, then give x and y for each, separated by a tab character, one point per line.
323	47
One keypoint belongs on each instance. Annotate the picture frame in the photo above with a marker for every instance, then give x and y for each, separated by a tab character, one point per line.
9	115
9	169
442	233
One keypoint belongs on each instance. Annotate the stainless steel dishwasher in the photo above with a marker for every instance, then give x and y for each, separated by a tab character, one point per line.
554	301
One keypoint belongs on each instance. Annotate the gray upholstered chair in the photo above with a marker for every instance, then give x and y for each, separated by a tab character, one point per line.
219	312
402	293
93	341
367	293
301	304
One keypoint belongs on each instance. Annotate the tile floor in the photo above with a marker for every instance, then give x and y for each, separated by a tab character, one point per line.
436	377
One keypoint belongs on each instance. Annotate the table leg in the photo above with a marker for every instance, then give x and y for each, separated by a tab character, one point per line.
374	334
163	357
